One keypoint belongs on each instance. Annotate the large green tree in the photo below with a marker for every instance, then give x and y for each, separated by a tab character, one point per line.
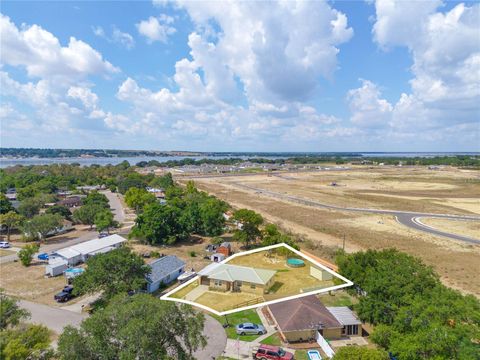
5	205
87	213
249	222
10	313
163	182
30	207
271	235
26	253
41	225
11	220
138	198
104	220
96	198
60	210
160	224
359	353
135	327
26	341
115	272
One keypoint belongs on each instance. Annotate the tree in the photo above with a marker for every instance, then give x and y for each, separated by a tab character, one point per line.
131	180
5	205
10	313
104	220
138	198
117	271
26	341
135	327
26	254
86	214
211	212
96	198
61	210
11	220
42	225
160	224
249	222
359	353
163	182
30	207
271	235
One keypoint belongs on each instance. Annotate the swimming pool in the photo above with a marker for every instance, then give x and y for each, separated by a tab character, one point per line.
72	272
293	262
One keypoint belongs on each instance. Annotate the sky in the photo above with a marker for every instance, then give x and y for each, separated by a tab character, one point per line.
376	75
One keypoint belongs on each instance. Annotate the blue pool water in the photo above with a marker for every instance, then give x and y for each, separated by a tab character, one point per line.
295	262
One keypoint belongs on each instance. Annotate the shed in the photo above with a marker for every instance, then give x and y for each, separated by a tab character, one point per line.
164	271
225	248
346	317
320	274
56	268
217	257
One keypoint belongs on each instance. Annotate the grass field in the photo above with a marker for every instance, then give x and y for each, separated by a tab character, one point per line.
449	191
4	252
273	339
238	318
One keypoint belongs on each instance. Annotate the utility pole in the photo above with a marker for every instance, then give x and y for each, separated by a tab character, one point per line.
343	241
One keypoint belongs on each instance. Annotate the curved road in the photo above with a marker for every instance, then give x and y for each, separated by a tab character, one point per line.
407	218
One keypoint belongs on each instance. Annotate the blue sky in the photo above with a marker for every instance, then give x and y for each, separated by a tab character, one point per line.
246	76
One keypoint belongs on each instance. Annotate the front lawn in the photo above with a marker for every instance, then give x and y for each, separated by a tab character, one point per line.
301	355
273	339
238	318
6	252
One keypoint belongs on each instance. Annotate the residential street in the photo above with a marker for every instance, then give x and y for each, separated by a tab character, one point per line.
52	317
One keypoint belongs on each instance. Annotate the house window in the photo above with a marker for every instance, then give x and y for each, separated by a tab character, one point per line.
253	286
218	282
180	271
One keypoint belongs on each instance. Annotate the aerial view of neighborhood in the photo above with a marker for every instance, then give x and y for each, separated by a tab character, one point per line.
227	180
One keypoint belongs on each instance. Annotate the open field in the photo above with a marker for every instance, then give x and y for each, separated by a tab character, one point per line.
448	191
467	228
29	283
4	252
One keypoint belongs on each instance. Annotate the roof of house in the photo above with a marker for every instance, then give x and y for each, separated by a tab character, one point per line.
344	315
95	245
303	313
67	253
164	266
231	273
226	245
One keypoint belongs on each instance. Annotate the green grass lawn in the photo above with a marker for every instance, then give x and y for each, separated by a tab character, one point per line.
338	298
273	339
301	355
238	318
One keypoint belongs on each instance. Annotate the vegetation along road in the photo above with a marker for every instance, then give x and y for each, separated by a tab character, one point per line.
406	218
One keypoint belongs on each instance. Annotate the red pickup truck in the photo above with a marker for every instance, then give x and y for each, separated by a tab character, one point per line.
270	352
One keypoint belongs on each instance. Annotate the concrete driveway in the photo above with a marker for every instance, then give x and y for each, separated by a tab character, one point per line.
216	340
53	318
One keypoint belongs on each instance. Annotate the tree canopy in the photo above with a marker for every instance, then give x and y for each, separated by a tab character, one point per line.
138	198
26	253
10	313
115	272
360	353
11	220
135	327
42	225
249	222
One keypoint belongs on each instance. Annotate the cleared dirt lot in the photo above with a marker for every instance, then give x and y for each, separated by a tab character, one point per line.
449	191
467	228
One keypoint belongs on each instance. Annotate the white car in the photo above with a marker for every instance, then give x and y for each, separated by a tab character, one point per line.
4	244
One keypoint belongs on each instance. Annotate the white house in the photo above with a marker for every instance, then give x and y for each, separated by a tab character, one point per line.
81	252
164	271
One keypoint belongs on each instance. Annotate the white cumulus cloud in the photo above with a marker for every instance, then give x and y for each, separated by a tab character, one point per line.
157	28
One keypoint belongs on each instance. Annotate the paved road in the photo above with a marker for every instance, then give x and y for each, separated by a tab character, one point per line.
53	318
216	340
115	205
406	218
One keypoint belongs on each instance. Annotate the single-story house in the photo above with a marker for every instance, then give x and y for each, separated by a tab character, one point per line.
300	319
164	271
81	252
217	257
350	322
225	277
71	202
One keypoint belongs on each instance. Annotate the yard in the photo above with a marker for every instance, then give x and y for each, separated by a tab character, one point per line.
287	281
4	252
29	283
225	301
337	298
273	339
238	318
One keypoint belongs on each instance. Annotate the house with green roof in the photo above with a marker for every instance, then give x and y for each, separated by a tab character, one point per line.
234	278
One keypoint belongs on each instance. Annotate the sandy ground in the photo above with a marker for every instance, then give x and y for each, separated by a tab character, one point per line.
400	188
466	228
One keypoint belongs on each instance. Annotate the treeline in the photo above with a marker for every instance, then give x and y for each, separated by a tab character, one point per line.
457	160
67	153
415	316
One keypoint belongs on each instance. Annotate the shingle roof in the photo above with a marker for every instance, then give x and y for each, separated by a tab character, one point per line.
344	315
164	266
302	314
240	273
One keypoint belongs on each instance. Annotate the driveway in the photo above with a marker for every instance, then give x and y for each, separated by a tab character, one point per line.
115	205
53	318
216	340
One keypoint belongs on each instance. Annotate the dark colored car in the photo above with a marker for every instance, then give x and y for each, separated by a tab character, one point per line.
64	295
270	352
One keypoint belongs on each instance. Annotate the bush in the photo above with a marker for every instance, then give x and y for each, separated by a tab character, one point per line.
193	254
26	254
155	254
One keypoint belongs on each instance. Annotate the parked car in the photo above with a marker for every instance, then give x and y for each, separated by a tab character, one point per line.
42	257
270	352
64	295
250	328
4	244
102	235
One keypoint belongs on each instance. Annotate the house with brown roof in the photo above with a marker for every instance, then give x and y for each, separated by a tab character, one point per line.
301	319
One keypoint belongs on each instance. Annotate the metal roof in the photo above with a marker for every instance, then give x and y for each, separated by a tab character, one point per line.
164	266
240	273
344	315
67	253
95	245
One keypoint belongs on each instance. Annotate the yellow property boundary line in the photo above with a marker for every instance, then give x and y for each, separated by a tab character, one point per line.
316	263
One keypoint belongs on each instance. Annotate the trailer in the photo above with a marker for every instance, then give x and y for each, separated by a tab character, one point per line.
56	268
